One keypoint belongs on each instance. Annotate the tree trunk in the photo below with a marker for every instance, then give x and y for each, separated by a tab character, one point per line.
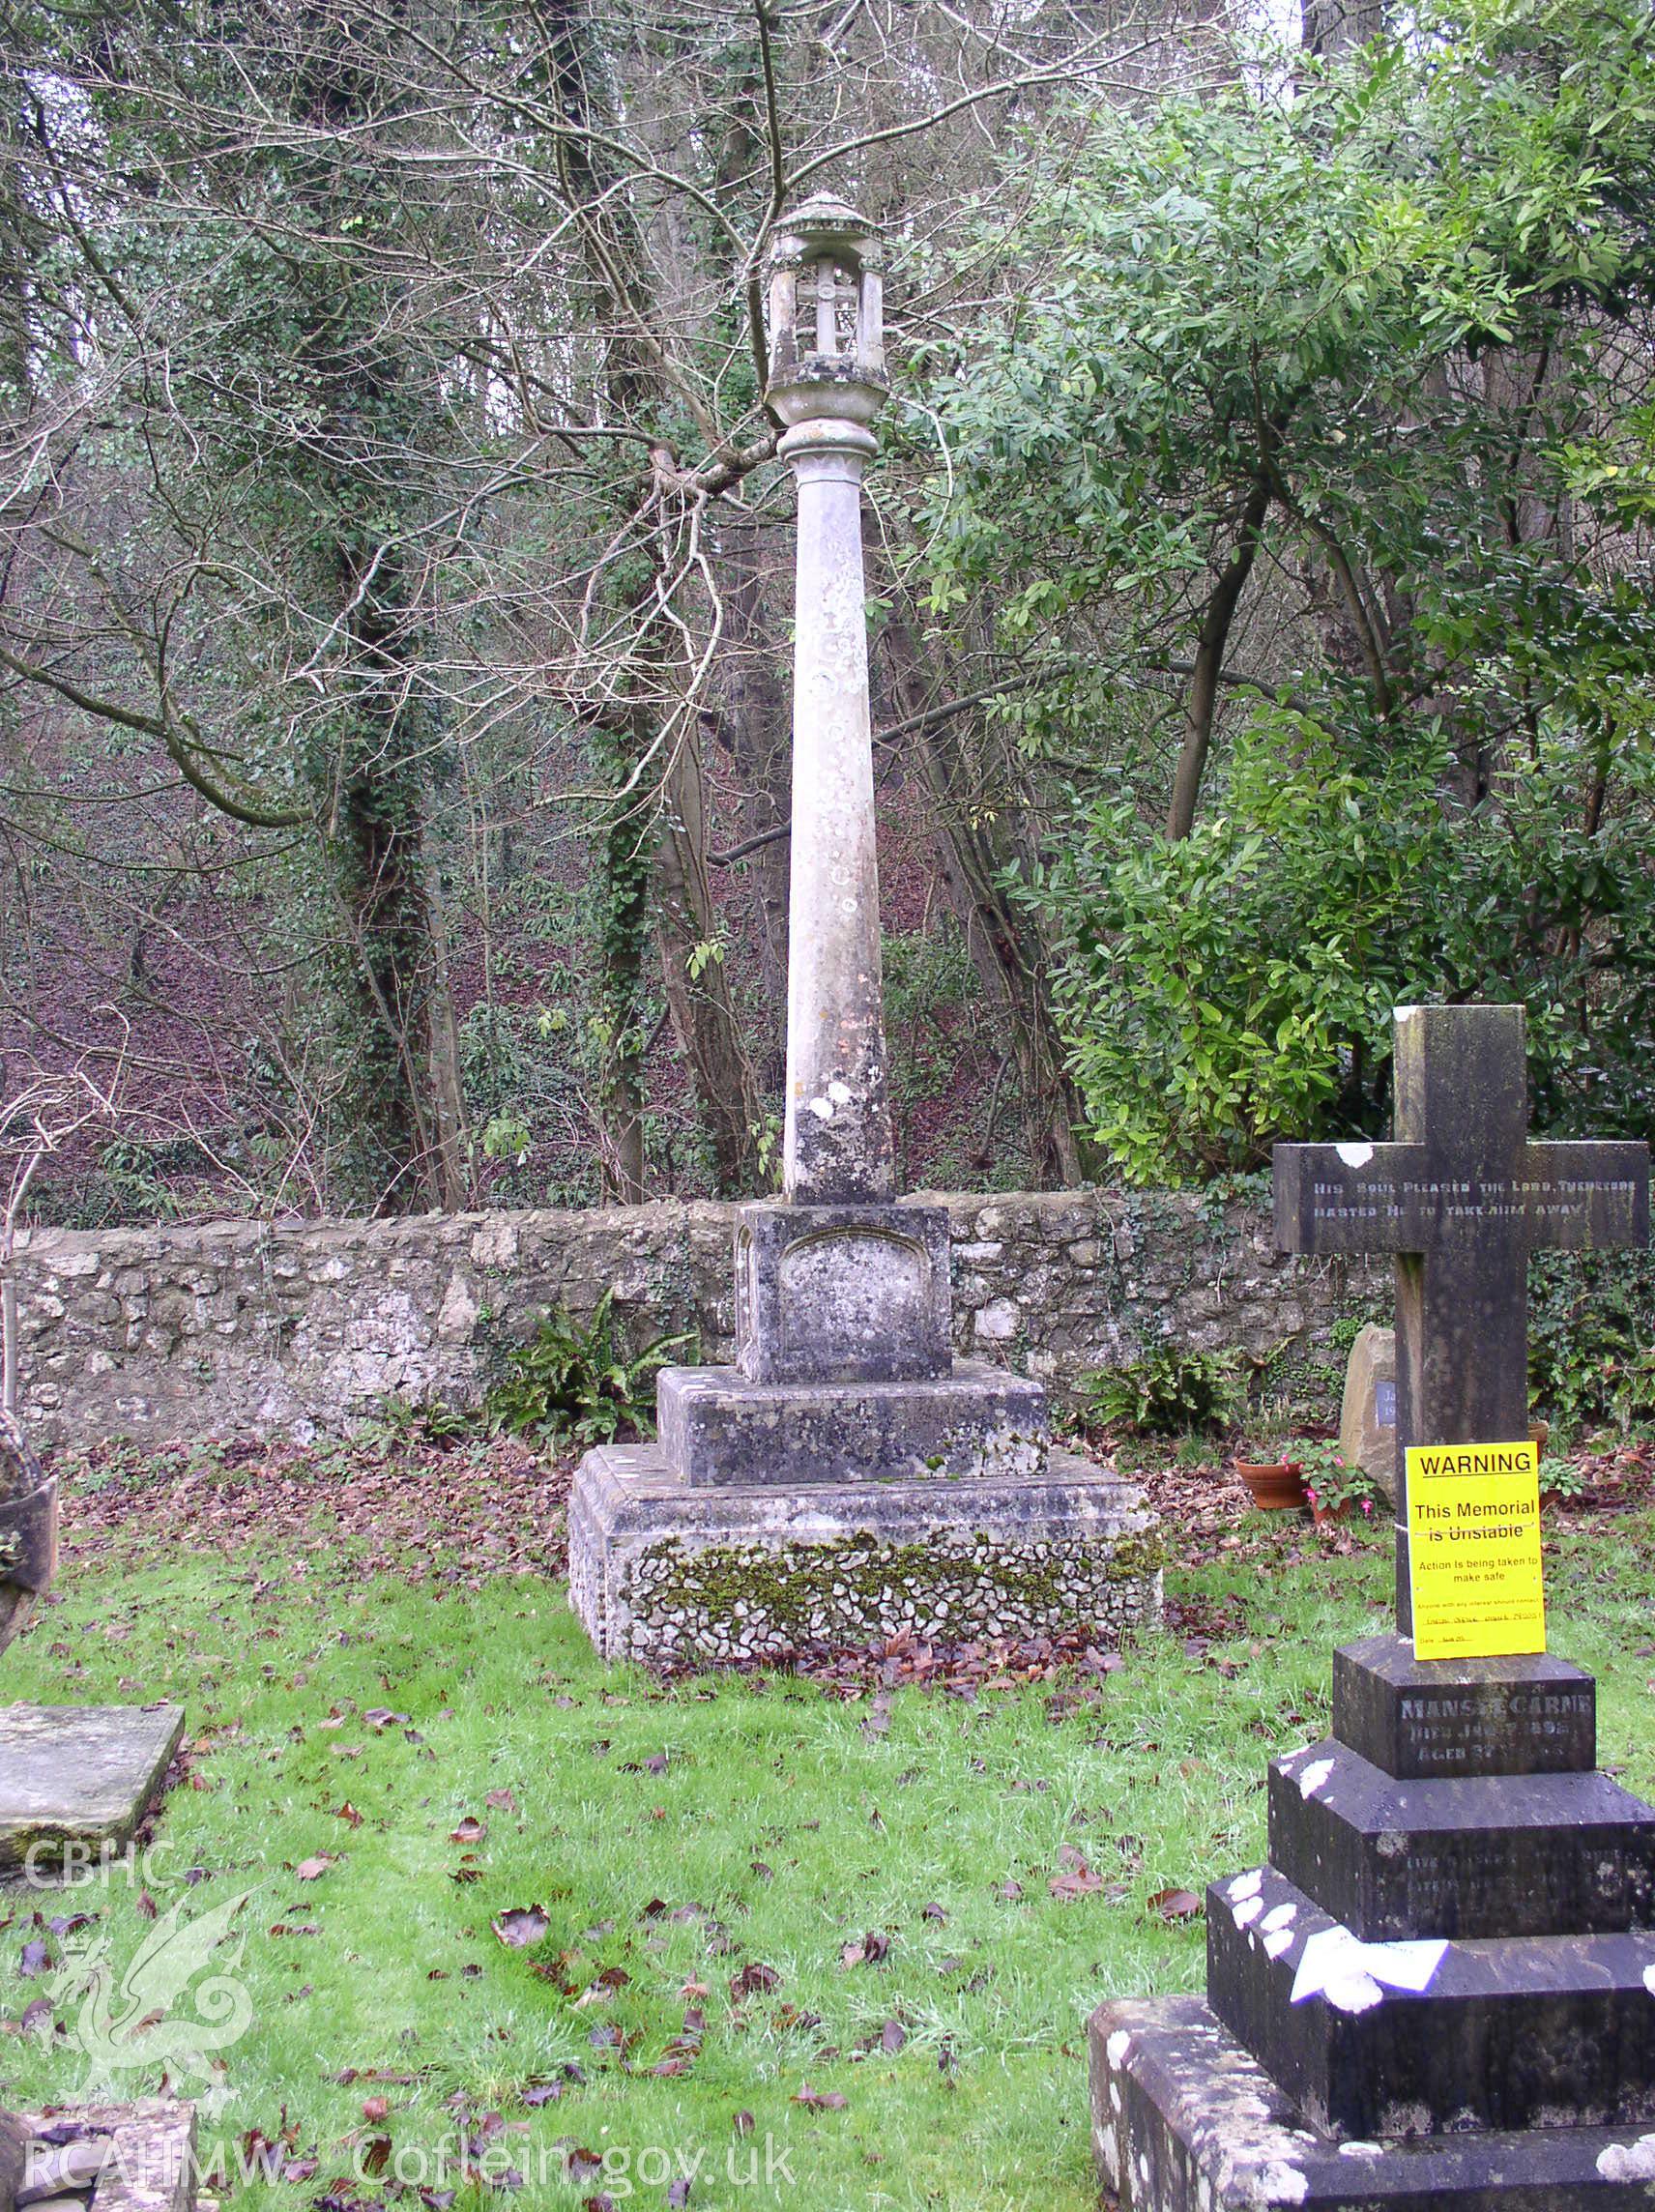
754	730
376	859
623	902
1330	28
353	470
447	1096
697	984
975	845
1202	703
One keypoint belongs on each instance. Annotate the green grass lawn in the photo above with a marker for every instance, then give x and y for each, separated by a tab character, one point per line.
707	1848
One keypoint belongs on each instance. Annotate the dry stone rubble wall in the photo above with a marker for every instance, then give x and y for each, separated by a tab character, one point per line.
301	1328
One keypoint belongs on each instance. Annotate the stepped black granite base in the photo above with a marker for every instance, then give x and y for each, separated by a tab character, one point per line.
1533	2032
1184	2119
1497	1855
669	1574
1440	1992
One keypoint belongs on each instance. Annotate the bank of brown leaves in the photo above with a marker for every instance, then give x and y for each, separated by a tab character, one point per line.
457	1514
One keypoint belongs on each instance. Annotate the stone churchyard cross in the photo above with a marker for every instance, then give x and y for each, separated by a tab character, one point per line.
846	1477
1438	1990
1461	1198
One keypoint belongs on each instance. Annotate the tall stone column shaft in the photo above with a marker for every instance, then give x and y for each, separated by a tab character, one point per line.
838	1145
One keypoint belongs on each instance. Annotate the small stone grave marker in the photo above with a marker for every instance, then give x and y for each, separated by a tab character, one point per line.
1367	1416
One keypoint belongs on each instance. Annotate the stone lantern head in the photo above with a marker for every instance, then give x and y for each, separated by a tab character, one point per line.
826	326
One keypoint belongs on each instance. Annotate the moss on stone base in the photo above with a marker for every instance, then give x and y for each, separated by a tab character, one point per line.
727	1601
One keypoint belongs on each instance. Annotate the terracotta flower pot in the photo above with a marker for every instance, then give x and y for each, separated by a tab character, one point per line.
1276	1485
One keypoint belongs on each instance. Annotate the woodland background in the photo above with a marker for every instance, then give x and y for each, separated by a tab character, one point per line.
396	582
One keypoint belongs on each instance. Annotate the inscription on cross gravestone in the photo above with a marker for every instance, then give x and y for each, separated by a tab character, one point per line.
1461	1198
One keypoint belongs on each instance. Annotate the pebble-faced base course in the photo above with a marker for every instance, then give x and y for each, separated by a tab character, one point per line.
1185	2120
79	1777
670	1576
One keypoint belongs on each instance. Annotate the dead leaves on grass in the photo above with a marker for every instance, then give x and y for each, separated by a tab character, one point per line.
873	1949
755	1979
1175	1904
522	1926
417	1512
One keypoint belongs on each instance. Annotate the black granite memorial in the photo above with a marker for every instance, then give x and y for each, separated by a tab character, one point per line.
1438	1994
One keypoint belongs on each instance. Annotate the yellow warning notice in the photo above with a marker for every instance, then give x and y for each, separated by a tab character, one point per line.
1473	1551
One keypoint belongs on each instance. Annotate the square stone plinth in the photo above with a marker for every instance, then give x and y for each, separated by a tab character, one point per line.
1185	2120
668	1575
842	1294
1419	1718
716	1428
79	1776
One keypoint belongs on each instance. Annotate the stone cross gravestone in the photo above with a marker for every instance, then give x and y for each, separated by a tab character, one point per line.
76	1778
1438	1992
847	1477
1461	1199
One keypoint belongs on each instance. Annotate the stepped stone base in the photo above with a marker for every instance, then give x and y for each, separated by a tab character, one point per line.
1520	2033
719	1429
78	1779
1186	2120
667	1573
1484	1855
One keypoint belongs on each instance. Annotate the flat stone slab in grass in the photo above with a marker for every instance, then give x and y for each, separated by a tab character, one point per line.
79	1775
133	2158
1184	2120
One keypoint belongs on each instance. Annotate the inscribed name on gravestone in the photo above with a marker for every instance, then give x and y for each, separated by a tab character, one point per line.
1473	1525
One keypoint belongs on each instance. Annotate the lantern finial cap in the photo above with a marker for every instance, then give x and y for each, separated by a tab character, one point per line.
827	340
